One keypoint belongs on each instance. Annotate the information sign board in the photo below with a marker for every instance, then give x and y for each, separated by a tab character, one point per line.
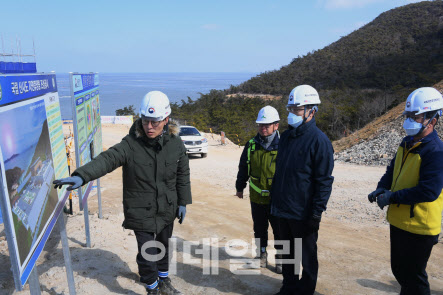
87	123
32	155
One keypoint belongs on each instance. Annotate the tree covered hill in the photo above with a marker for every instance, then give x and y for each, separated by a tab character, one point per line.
400	48
359	77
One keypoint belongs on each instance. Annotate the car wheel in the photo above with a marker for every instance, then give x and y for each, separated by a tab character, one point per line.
204	155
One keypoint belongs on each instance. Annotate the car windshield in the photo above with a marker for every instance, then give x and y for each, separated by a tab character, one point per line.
189	131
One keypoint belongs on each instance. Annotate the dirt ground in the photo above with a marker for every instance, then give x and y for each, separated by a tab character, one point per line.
353	241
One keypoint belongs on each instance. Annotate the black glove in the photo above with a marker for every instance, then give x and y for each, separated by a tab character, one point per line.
74	181
372	197
384	199
314	224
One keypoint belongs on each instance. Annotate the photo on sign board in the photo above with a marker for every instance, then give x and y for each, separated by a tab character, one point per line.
97	109
29	170
89	116
94	110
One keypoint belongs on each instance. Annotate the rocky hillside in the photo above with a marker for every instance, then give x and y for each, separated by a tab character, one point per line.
359	77
377	142
402	47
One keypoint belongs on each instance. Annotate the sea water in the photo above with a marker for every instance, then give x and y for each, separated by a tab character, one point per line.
118	90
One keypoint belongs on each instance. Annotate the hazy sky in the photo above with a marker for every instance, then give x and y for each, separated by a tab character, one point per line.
179	35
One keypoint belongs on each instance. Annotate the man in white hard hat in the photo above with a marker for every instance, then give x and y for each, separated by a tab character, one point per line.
257	164
156	185
412	189
301	188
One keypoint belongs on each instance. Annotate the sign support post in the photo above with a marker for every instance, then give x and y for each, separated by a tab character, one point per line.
34	284
66	253
9	235
99	197
87	232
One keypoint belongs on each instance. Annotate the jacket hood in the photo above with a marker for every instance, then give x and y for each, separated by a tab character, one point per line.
172	128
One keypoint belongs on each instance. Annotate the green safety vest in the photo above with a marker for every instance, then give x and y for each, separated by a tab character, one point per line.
261	170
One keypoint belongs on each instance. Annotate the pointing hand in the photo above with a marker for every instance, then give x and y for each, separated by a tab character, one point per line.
74	182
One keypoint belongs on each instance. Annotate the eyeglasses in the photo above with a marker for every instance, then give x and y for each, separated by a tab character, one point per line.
295	109
153	123
265	125
412	116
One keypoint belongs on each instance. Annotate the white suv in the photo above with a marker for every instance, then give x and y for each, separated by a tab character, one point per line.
194	142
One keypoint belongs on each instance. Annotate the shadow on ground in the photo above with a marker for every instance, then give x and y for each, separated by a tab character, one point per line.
106	267
394	287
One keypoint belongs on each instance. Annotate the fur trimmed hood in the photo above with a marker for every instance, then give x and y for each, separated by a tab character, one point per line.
172	128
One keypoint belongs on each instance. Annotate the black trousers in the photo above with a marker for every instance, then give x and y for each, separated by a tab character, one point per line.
409	257
261	217
292	283
148	270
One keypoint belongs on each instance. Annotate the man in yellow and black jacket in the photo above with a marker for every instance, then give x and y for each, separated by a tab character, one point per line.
412	187
257	164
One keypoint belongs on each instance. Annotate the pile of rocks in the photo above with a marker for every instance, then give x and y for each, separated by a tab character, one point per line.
381	148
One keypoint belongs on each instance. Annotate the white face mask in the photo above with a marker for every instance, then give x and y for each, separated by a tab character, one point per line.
411	127
294	120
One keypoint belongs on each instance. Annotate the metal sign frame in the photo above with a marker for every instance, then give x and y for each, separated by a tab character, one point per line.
83	203
9	238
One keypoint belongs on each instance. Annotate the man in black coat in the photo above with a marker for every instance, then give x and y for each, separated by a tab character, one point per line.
301	189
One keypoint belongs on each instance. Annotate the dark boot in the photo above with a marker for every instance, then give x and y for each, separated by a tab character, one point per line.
263	259
155	291
166	287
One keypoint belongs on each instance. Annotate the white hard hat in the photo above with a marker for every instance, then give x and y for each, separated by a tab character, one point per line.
303	95
424	100
155	105
267	115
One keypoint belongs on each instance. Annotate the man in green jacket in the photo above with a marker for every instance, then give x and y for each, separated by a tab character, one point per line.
156	185
257	164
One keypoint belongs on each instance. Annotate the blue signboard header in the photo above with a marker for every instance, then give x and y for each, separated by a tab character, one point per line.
19	87
84	82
